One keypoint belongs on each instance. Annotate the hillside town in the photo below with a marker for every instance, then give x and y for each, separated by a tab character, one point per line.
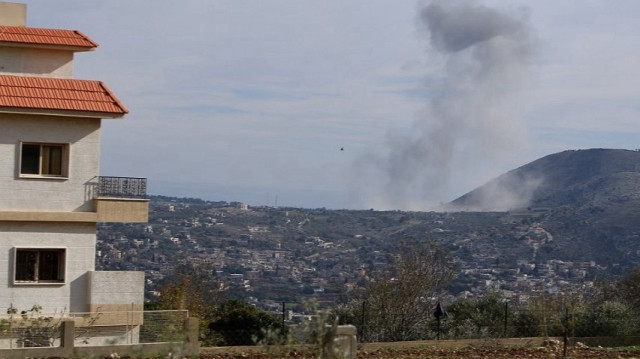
271	255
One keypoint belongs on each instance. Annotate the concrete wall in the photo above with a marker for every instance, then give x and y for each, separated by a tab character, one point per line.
121	289
13	14
122	210
22	61
49	194
30	62
118	294
71	296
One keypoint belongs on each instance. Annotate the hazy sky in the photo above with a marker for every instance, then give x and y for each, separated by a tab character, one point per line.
252	100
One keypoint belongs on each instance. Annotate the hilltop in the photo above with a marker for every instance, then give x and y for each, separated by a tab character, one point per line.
579	178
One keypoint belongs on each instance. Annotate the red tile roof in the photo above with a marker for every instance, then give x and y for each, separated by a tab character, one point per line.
29	93
51	37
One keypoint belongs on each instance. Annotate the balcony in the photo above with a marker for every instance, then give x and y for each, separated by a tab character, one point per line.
121	199
115	199
122	187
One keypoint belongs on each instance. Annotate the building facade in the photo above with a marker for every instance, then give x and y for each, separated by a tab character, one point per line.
51	192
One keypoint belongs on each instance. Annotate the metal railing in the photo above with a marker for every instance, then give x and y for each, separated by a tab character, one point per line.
122	187
131	327
607	324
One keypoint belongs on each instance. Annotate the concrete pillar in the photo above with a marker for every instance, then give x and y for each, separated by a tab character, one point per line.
192	342
346	343
68	336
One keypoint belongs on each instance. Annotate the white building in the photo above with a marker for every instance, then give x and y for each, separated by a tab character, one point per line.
51	194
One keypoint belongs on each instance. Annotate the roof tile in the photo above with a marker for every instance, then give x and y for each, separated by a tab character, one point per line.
38	36
58	94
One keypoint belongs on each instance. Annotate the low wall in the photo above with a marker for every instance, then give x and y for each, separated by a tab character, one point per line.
67	348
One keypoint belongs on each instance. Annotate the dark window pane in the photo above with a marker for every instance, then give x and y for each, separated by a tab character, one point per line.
30	163
26	265
49	265
52	160
40	265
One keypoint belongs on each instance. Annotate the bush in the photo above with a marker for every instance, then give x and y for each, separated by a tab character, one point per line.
239	323
477	318
608	319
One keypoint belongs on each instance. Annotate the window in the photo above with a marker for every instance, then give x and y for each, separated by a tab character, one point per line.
43	159
39	265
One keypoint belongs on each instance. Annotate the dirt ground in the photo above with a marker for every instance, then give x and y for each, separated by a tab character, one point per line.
470	352
505	348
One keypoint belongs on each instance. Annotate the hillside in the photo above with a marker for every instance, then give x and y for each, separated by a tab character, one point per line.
589	199
583	223
582	178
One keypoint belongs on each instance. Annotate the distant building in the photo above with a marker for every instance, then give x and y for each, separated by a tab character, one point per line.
240	205
51	194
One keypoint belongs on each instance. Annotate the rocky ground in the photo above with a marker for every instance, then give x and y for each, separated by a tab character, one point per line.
475	353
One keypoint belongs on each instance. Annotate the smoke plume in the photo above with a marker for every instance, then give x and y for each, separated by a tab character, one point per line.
483	54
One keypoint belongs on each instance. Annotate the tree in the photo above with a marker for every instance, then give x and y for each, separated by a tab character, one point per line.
608	319
189	289
627	289
400	301
239	323
185	291
478	317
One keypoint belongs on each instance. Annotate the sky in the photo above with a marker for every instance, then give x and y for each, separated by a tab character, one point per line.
352	104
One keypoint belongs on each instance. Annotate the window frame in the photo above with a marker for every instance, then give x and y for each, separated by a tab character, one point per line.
61	266
64	160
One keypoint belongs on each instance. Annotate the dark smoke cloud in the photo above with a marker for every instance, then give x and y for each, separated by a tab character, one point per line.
455	29
484	53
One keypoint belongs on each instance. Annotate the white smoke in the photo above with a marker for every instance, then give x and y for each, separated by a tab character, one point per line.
484	54
512	190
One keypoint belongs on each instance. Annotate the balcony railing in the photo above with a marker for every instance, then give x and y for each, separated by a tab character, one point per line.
122	187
